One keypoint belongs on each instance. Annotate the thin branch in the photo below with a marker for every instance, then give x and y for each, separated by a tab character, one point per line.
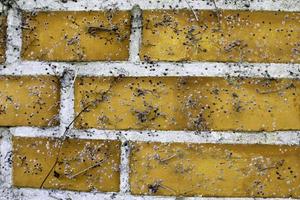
97	164
194	12
289	86
168	188
191	190
63	137
153	188
93	30
168	158
217	11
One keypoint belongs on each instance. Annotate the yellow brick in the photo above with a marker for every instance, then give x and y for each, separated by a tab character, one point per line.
29	100
2	38
225	36
83	165
215	170
188	103
76	36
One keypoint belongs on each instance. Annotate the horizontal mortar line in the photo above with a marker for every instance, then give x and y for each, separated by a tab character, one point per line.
127	68
37	194
79	5
35	131
226	137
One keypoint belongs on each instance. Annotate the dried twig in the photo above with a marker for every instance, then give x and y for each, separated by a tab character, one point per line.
278	164
194	12
166	159
94	30
153	188
114	29
217	11
97	164
289	86
63	138
168	188
191	190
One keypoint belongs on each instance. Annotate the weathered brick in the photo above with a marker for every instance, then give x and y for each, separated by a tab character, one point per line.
29	100
81	36
225	36
83	165
2	38
228	170
187	103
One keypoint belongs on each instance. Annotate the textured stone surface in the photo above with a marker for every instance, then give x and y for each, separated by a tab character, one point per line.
83	165
225	36
29	100
227	170
187	103
81	36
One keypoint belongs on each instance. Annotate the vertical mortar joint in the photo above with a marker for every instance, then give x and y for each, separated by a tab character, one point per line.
136	34
125	168
66	100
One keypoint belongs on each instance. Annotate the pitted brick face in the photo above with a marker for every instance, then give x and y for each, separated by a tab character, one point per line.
153	99
81	36
84	165
227	170
221	36
187	103
29	101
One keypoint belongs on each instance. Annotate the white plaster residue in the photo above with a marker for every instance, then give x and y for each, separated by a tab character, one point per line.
14	41
134	67
288	5
35	194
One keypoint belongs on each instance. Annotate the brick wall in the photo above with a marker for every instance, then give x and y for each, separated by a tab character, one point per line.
145	100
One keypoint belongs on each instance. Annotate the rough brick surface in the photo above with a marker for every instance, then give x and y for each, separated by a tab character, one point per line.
215	170
83	165
187	103
2	38
81	36
225	35
156	99
29	100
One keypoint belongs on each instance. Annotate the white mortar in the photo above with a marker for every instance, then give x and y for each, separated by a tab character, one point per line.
133	67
